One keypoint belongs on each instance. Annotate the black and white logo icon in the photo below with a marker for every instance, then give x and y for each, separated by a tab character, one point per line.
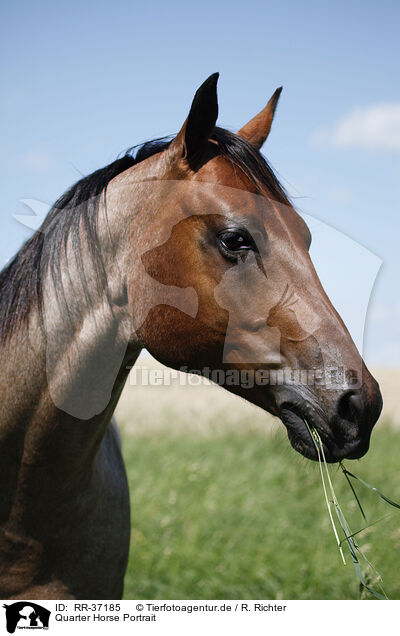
26	615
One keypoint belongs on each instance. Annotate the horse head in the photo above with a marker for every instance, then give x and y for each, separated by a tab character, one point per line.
220	260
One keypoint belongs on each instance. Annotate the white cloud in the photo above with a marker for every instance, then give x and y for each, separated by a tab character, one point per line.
372	128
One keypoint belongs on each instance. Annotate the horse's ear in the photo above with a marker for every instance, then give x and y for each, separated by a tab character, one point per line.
200	122
257	129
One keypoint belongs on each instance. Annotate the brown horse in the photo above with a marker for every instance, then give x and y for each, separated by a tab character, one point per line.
191	249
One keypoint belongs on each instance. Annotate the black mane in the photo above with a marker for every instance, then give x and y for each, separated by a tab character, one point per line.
21	279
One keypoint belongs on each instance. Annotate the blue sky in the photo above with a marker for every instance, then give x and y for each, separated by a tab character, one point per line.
82	81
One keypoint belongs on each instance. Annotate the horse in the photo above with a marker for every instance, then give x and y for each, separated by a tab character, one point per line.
189	247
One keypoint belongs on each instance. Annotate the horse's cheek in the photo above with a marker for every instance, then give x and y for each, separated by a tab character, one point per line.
177	339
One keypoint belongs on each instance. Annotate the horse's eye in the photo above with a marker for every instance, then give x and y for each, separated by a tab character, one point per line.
235	241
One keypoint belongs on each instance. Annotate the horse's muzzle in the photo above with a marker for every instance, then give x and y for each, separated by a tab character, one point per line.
346	429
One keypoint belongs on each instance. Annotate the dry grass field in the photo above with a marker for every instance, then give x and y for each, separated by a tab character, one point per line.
205	408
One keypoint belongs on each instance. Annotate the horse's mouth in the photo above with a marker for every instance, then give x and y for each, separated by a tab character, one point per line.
299	434
298	429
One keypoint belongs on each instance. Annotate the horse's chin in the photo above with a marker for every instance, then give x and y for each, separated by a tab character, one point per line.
302	447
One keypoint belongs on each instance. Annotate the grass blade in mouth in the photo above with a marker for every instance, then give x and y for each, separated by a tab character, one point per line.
315	437
348	474
354	492
374	523
348	535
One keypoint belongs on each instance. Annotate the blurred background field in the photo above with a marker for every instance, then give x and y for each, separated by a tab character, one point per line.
222	507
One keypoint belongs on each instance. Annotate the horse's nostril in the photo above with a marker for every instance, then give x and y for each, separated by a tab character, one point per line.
350	407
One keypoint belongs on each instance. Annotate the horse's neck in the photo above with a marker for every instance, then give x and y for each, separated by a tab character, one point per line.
61	379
